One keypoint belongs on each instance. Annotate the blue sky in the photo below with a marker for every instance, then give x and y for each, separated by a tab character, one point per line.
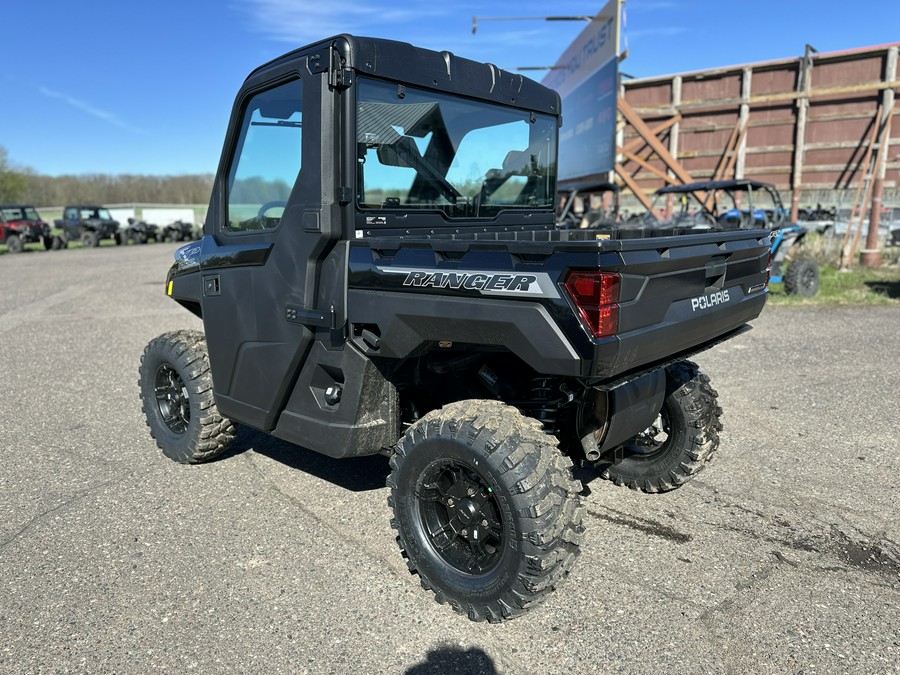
130	87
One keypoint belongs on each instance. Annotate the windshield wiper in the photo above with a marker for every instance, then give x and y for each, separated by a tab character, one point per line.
279	123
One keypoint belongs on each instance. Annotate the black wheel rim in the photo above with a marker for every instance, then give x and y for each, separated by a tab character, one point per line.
172	399
461	517
808	278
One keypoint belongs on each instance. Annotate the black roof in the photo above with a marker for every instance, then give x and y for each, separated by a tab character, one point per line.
707	185
441	71
588	186
16	206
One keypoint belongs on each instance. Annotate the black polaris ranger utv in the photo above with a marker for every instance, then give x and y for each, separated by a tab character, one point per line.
380	272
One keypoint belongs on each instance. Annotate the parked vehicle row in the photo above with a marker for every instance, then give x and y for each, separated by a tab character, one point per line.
87	224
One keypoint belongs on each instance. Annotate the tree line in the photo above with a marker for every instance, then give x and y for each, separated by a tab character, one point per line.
24	185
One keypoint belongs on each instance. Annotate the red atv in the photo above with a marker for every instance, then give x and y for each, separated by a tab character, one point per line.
20	225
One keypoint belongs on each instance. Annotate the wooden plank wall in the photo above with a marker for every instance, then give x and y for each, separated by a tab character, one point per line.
805	122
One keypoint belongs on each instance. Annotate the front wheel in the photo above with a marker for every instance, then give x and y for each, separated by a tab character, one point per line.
177	395
14	244
679	443
90	239
485	507
802	278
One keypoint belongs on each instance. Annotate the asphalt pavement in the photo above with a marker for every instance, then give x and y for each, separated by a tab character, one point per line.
783	556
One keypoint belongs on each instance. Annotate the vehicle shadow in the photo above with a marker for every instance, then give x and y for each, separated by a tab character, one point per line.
891	289
451	659
357	474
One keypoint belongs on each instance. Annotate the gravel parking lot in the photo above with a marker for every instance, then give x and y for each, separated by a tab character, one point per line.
783	556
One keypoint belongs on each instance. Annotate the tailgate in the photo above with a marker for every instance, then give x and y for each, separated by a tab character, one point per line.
677	297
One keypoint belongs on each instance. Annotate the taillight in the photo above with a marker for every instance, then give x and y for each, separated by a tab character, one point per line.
596	296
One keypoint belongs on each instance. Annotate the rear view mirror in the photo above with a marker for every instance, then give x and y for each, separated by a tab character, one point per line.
279	109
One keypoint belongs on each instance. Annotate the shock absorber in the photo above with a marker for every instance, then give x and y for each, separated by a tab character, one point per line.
545	401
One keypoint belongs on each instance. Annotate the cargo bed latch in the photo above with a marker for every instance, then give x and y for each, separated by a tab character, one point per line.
715	276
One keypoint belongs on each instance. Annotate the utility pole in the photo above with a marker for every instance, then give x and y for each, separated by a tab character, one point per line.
870	256
804	84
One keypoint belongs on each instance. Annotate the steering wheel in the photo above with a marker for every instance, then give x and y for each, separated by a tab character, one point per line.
269	221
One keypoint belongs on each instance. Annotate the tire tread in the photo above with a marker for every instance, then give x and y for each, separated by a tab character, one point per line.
543	492
216	432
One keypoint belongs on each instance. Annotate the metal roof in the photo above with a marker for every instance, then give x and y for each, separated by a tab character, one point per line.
707	185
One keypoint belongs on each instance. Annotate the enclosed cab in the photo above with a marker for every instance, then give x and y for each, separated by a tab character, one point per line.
381	271
89	224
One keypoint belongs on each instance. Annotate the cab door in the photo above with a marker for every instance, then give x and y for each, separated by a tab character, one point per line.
267	232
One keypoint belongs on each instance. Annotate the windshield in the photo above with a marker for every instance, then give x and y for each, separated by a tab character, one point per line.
20	213
748	207
425	150
729	207
96	214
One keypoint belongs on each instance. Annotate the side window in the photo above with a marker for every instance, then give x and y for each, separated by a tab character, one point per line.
266	162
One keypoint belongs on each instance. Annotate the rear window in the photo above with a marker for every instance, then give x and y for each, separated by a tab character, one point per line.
418	149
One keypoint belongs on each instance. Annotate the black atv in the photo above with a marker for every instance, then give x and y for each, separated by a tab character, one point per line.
139	232
179	230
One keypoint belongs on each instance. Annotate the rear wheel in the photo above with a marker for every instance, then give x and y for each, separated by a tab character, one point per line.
802	278
177	395
14	243
48	242
485	507
679	443
90	239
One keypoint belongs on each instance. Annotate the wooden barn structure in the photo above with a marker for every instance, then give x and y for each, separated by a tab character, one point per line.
818	127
